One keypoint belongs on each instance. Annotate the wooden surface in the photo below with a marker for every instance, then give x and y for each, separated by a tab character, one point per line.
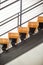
40	19
33	24
23	29
4	41
13	35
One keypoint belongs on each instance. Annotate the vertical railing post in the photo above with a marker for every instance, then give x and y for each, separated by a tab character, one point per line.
0	4
18	20
20	12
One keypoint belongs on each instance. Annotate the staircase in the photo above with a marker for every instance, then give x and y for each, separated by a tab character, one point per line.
26	37
22	33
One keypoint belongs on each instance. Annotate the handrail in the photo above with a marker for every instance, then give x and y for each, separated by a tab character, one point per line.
22	23
32	18
9	4
22	11
3	1
19	15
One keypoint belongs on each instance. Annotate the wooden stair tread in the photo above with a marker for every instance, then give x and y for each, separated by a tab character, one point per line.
40	19
33	24
13	35
4	41
23	29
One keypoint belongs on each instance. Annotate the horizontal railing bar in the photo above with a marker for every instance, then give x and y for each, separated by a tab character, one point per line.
32	18
9	4
33	8
3	1
9	17
22	13
33	5
22	23
9	20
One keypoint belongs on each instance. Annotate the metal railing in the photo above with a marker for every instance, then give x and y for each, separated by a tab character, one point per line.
3	1
21	24
7	4
23	12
